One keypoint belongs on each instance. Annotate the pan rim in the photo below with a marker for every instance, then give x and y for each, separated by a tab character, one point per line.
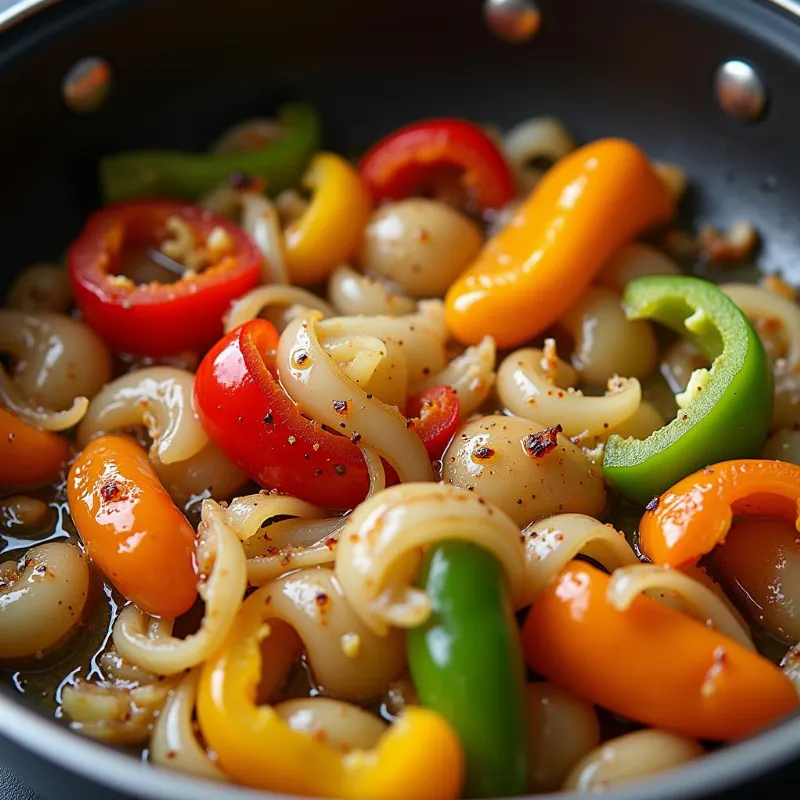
723	769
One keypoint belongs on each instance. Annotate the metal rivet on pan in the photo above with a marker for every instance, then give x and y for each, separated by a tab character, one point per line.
740	91
513	20
86	85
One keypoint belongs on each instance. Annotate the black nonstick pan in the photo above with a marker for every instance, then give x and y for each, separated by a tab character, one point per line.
710	85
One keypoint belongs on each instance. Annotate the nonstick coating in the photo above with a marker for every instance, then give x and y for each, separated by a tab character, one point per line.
185	69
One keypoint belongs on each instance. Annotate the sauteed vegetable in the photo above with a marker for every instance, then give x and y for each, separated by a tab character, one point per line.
432	475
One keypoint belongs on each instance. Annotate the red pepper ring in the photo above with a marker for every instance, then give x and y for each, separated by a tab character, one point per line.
246	412
694	516
435	413
158	319
398	165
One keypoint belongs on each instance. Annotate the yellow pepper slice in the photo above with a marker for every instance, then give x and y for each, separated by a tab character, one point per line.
419	756
330	229
527	275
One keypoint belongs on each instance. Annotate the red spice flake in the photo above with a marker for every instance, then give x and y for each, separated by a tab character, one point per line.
110	491
483	453
339	406
653	504
539	444
422	235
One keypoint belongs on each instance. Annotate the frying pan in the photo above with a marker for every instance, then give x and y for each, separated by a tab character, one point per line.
183	70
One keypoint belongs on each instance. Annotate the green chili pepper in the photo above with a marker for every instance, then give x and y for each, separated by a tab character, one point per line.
466	663
189	175
725	411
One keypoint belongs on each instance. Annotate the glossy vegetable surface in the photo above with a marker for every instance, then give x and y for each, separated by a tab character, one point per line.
131	528
419	756
726	410
329	231
411	159
711	688
189	175
435	413
28	456
159	319
527	275
248	415
692	517
466	664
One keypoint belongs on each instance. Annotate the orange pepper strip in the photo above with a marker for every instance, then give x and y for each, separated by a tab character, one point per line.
418	757
694	516
650	663
131	528
28	456
527	275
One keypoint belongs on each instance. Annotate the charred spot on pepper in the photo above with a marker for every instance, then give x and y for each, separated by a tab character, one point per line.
110	491
539	444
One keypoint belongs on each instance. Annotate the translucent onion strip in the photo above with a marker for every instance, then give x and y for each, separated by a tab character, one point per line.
42	598
174	743
347	659
471	375
116	714
160	398
422	336
352	293
377	474
759	303
55	359
37	416
260	220
384	539
307	540
635	260
255	302
293	544
524	389
551	543
221	585
322	391
693	597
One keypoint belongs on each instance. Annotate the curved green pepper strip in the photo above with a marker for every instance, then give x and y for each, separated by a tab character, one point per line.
726	409
466	664
189	175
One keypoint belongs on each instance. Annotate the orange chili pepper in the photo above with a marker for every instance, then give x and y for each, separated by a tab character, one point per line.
28	456
694	516
650	663
131	528
533	270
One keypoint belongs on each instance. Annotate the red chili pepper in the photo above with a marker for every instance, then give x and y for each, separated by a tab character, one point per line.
436	414
245	411
159	319
401	164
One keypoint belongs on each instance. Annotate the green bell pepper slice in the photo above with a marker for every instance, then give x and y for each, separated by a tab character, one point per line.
466	663
150	173
725	410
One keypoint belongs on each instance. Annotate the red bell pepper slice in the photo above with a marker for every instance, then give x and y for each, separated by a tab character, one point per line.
244	410
401	164
435	412
158	319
